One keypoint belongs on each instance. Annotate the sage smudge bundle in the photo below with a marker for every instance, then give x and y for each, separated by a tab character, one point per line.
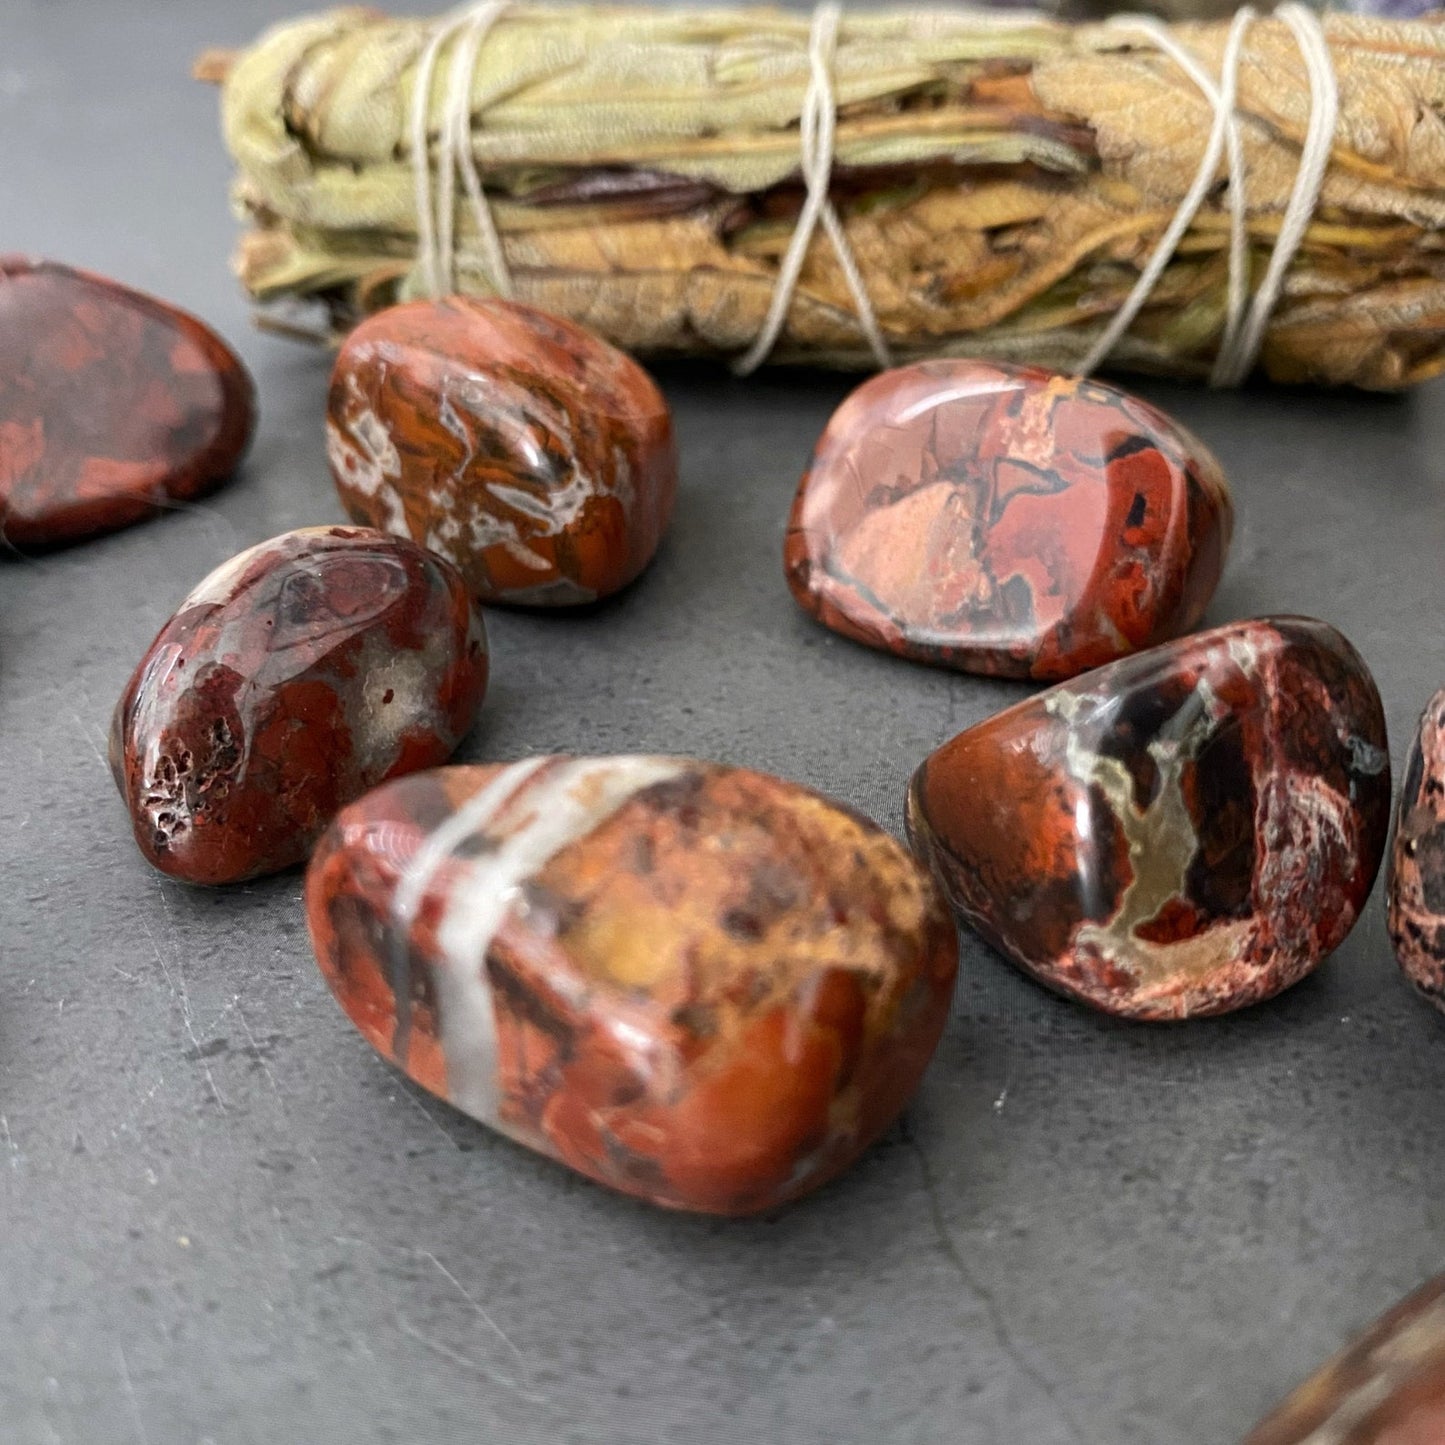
1001	180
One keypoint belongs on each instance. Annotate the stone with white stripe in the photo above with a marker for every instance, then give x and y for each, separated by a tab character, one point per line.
697	984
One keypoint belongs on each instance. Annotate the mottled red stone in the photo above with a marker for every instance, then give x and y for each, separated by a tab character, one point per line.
696	984
1416	885
295	677
1385	1388
1180	833
1006	520
529	452
113	405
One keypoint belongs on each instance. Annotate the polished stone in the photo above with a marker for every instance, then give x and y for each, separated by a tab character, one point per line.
113	405
301	673
1385	1388
1179	833
1417	860
530	453
1006	520
696	984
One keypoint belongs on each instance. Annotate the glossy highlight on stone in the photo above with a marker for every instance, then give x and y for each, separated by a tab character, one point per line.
1180	833
298	675
696	984
113	405
1385	1388
1417	861
530	453
1006	520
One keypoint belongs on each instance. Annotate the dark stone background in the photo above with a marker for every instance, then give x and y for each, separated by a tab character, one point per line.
223	1219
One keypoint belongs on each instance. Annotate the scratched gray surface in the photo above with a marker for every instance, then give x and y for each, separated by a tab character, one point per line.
223	1219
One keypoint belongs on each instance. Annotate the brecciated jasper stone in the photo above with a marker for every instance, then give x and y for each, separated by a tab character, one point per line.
1179	833
295	677
1006	520
692	983
113	405
536	457
1417	862
1385	1388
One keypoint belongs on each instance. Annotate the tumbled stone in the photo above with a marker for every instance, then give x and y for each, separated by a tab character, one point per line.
1385	1388
1006	520
536	457
1179	833
295	677
696	984
1416	886
113	405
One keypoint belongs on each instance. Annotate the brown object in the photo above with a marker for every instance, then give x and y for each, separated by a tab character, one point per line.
696	984
297	676
1178	834
536	457
1006	520
1385	1388
113	405
1416	887
1001	182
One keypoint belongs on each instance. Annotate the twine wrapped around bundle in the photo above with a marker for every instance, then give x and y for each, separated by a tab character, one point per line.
1000	181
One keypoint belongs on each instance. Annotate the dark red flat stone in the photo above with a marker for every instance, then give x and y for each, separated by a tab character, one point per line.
521	447
113	405
1006	520
1176	834
1417	861
296	677
1385	1388
697	984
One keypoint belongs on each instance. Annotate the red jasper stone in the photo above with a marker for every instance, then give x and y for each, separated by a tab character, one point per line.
526	450
1176	834
1385	1388
297	676
1006	520
113	405
696	984
1417	862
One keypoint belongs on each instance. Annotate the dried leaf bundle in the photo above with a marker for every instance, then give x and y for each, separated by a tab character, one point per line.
1001	182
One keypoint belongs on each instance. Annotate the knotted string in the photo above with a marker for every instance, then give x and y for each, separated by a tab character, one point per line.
817	126
436	228
1244	324
1246	317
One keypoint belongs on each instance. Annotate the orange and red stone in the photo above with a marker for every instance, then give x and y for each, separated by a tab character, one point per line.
1417	860
295	677
696	984
1385	1388
1006	520
113	405
1180	833
530	453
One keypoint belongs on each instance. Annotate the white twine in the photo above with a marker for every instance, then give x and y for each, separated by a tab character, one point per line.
817	126
1243	328
436	217
1305	194
1246	318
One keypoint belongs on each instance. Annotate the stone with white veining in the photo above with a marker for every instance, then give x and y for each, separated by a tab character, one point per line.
534	456
1179	833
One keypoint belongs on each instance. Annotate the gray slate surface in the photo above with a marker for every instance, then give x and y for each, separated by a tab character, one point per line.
223	1219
